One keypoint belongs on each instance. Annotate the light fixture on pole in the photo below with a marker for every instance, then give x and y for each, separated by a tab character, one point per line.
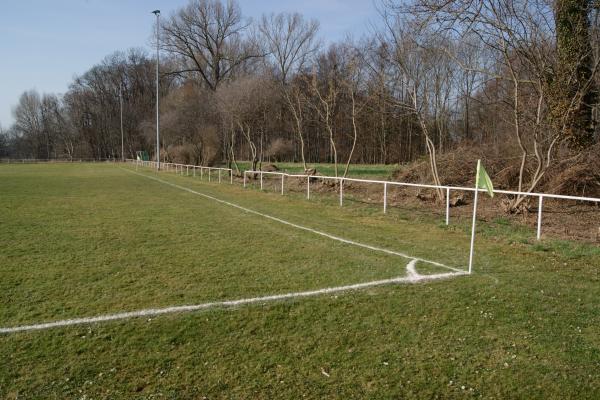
157	13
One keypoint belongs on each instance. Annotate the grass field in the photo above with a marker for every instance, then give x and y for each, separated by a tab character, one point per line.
86	240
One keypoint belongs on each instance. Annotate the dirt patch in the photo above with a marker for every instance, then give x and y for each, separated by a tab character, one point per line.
270	168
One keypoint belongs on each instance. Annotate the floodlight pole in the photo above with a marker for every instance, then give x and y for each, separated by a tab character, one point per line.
157	13
121	106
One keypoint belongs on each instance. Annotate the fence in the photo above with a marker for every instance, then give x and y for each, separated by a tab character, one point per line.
187	169
385	185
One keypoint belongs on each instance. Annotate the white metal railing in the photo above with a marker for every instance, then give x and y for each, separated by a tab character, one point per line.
447	189
179	168
188	169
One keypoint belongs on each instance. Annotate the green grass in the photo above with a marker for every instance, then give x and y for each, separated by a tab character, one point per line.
88	239
372	171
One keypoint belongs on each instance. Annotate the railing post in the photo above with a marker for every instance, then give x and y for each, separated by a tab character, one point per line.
539	221
308	187
231	177
447	206
341	192
201	173
385	198
219	175
209	169
282	178
261	180
244	178
194	171
187	170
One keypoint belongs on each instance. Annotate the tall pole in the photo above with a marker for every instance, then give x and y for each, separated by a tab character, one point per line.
121	105
157	13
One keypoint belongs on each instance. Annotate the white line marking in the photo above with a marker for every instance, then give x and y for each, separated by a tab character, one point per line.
411	270
304	228
413	277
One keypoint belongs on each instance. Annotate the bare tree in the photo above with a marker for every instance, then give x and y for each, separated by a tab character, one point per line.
295	97
207	38
189	124
29	124
353	83
324	102
290	41
245	105
415	63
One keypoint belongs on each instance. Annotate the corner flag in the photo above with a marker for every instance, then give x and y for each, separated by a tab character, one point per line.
483	179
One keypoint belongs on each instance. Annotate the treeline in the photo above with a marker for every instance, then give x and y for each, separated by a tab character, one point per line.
517	77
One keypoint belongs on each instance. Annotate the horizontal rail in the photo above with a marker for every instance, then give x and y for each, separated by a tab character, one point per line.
181	165
386	184
429	186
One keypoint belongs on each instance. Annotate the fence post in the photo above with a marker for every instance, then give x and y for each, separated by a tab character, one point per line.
209	173
282	178
539	221
261	180
308	187
201	173
187	170
219	175
385	198
447	206
194	171
341	192
231	177
244	178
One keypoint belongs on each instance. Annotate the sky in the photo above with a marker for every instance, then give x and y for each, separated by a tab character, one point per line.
45	44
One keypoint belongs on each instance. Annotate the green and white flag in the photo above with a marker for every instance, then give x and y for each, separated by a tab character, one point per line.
483	180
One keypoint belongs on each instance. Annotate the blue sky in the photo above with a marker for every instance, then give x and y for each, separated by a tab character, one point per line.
44	44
